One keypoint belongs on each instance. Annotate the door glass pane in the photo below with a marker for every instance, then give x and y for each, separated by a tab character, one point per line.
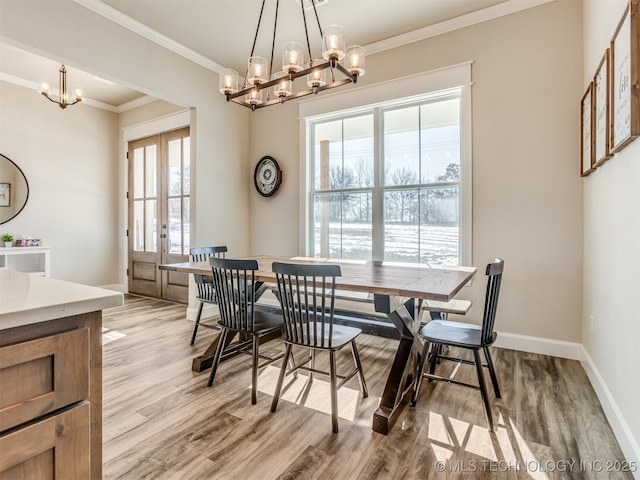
401	227
151	170
186	162
174	167
186	224
342	226
440	141
175	225
151	226
138	225
401	146
138	173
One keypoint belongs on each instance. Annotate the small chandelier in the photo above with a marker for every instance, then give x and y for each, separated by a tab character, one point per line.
63	99
320	74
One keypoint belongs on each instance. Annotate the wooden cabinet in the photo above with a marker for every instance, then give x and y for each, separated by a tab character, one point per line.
55	447
51	400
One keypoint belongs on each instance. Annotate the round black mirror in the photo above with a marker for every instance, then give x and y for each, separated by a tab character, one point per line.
14	189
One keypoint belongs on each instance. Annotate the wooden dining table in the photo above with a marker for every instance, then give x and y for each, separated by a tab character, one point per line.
398	291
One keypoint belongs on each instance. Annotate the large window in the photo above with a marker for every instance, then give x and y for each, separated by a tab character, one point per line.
385	182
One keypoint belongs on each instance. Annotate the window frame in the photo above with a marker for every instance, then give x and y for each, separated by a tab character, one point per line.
418	88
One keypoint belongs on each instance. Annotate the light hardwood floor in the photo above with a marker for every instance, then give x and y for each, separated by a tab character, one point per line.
162	422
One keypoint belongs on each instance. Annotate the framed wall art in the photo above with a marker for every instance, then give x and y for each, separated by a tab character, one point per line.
587	153
601	112
625	79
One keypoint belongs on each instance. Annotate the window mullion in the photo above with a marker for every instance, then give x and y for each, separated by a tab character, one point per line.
377	194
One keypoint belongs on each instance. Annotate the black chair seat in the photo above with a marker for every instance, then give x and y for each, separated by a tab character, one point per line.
262	322
342	335
455	334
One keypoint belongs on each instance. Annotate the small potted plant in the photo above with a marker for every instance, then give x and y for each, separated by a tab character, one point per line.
7	238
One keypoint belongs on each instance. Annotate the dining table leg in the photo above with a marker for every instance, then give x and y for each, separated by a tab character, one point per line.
205	361
399	386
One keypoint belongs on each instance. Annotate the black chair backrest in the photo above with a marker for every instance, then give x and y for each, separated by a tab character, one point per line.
203	254
307	296
494	279
231	280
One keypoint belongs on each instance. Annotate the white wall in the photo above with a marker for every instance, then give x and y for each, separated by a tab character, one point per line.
219	131
69	159
612	259
527	198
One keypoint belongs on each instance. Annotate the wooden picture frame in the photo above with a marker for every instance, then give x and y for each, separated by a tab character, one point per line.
601	111
587	152
625	79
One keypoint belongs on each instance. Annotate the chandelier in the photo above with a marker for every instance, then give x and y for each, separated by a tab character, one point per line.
338	66
63	98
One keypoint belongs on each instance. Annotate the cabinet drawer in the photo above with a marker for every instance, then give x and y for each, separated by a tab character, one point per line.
54	448
43	375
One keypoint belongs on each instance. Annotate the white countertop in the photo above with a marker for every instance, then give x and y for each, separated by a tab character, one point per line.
27	299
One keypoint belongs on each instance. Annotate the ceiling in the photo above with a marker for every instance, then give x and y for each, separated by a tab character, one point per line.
219	33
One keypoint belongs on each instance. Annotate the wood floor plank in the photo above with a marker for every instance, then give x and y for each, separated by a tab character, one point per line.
162	422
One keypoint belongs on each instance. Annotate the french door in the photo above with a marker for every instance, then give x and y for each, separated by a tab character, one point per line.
159	221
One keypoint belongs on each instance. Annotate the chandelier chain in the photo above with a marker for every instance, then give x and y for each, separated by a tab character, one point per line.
273	40
306	30
255	39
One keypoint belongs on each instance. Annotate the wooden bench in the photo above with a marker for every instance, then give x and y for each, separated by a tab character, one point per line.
455	306
356	309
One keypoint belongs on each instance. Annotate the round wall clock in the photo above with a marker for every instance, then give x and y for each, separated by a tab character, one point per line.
267	176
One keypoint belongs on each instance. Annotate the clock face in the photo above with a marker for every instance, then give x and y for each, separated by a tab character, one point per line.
267	176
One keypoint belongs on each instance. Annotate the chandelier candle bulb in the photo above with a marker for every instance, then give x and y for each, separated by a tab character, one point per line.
355	55
228	81
284	87
258	71
317	78
254	98
292	57
333	43
45	89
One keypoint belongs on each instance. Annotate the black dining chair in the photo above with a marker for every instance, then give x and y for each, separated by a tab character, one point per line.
307	296
234	282
438	333
204	283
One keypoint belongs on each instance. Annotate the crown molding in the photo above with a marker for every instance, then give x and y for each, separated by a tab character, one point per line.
141	29
490	13
505	8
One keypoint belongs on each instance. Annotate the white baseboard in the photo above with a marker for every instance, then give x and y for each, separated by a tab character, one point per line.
115	287
207	312
543	346
621	430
